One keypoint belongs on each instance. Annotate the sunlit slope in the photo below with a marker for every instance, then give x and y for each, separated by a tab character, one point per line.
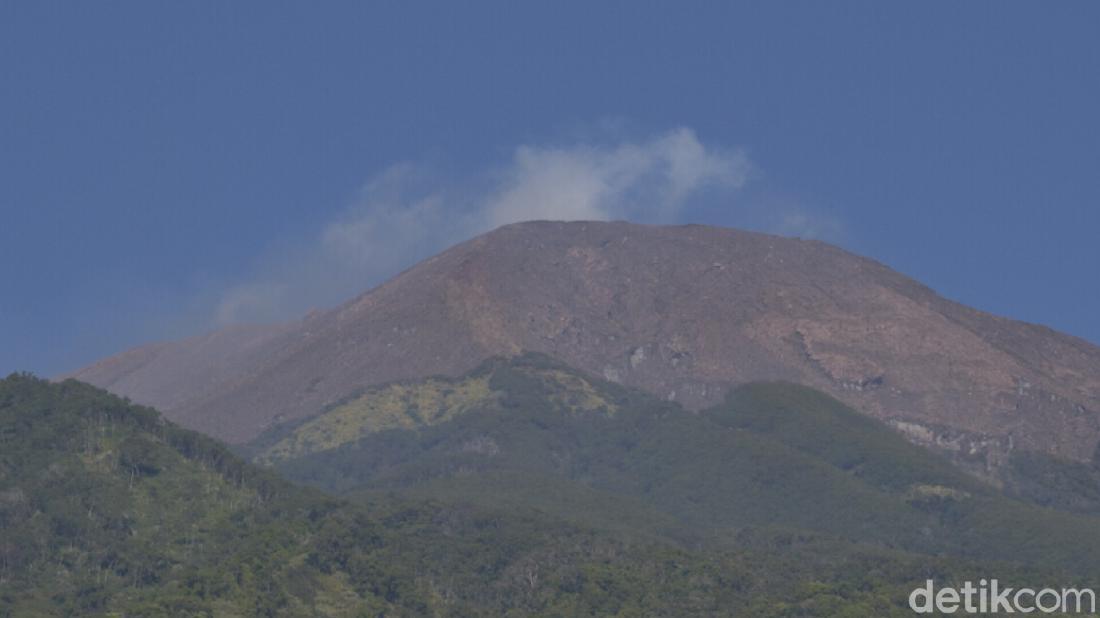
422	403
394	406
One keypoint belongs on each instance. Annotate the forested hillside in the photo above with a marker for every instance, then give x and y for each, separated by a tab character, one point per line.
107	509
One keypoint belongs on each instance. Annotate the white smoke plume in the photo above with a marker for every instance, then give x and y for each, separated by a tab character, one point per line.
404	214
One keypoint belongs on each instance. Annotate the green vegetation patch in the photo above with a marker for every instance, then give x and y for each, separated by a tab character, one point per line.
394	406
417	404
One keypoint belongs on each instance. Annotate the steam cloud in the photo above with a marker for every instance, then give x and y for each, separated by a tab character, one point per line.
405	215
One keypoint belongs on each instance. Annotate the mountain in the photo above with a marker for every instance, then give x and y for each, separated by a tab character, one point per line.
106	510
683	313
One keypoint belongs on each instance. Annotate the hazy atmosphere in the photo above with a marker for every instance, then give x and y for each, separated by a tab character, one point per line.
483	309
171	169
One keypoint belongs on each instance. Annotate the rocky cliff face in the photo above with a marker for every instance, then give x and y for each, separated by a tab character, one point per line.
682	312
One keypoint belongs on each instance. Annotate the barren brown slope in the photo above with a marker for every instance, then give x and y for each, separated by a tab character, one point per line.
169	375
682	312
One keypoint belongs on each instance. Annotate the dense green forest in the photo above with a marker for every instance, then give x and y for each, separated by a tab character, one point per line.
539	492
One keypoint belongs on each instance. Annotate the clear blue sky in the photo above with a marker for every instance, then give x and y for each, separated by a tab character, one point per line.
154	155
